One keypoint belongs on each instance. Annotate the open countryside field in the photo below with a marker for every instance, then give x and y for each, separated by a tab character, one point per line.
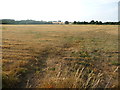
60	56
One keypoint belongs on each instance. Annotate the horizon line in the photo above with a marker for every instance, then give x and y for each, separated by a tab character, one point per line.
61	20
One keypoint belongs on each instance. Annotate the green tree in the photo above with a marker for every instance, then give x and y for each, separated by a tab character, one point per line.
66	22
74	22
92	22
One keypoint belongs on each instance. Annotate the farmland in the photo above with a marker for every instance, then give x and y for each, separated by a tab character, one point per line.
60	56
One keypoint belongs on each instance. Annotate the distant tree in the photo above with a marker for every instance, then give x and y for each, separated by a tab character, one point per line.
74	22
118	23
92	22
66	22
85	22
96	22
79	22
8	21
100	22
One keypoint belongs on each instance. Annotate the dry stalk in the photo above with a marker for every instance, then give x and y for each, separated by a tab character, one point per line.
96	82
111	78
108	82
80	73
59	73
77	72
87	82
116	69
77	76
94	86
36	60
27	85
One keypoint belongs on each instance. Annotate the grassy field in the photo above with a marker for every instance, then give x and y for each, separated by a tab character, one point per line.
60	56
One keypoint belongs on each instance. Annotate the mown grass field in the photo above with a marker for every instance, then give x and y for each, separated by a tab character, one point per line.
60	56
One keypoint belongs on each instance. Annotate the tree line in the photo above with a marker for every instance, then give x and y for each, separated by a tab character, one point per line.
12	21
94	22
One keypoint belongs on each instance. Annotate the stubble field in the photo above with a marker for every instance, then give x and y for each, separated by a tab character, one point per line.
60	56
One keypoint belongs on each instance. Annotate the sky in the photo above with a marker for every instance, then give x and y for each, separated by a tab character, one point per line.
64	10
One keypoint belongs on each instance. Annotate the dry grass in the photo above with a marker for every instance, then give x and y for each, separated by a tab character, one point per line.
60	56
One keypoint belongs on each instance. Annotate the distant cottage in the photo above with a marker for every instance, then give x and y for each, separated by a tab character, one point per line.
58	22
